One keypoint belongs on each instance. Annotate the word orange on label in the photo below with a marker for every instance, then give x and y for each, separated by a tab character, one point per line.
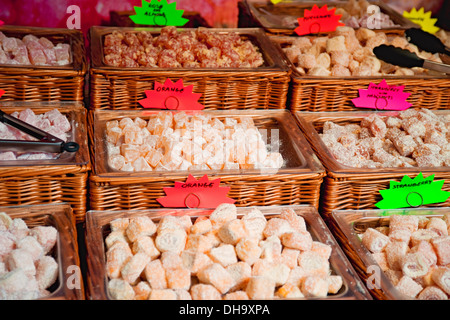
193	193
172	96
318	20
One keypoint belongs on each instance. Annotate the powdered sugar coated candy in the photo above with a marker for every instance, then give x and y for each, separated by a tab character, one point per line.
289	291
116	257
203	291
441	246
46	236
374	240
224	254
314	286
276	227
260	288
248	250
140	226
432	293
120	290
408	287
195	261
241	273
441	276
146	245
216	275
179	278
232	231
21	258
31	244
18	228
155	274
46	272
132	270
171	240
313	263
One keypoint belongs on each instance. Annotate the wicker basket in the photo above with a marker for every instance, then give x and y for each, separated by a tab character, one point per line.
347	188
98	228
69	285
297	183
270	17
321	94
351	224
30	182
46	83
264	87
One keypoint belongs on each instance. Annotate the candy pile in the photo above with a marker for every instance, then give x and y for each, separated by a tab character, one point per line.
358	14
414	138
349	52
32	50
27	269
201	48
53	122
217	257
414	253
175	141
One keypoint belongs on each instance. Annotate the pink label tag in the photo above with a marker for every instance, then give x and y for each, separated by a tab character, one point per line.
382	97
318	20
172	96
2	92
1	23
193	193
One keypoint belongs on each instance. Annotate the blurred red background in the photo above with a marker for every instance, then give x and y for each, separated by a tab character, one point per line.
53	13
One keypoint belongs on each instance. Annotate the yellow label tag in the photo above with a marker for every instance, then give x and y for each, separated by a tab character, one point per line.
423	19
276	1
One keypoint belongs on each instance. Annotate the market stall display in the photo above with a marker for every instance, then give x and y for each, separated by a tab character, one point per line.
223	263
263	85
38	248
40	177
408	246
42	64
296	182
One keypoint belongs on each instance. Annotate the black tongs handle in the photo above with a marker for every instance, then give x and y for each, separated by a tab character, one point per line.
407	59
46	142
426	41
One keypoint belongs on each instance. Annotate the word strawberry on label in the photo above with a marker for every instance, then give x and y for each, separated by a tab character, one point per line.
413	193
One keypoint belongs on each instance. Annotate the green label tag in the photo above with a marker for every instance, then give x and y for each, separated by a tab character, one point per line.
159	13
412	193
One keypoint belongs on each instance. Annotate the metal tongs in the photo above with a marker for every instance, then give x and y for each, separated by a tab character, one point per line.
426	41
45	141
407	59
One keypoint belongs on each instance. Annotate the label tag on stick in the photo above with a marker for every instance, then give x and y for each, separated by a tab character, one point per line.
193	193
413	193
382	97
